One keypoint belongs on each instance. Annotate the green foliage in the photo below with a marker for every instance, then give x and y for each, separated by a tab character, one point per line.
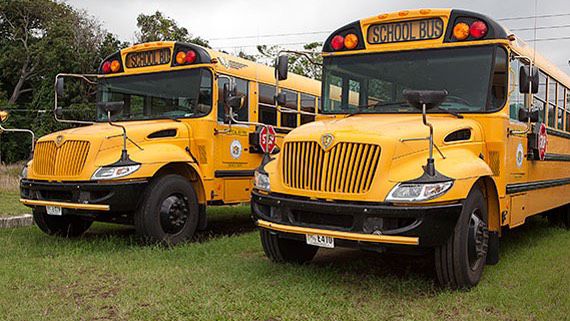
298	64
157	27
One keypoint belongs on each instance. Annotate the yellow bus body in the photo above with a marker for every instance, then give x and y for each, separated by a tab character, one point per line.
487	159
200	150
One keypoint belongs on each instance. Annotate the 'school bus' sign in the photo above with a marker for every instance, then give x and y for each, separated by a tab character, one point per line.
414	30
148	58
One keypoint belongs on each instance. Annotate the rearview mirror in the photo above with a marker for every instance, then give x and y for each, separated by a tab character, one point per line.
281	99
59	85
282	67
528	80
525	115
112	106
4	115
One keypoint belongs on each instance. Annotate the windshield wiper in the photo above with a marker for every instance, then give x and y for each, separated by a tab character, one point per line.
453	113
359	109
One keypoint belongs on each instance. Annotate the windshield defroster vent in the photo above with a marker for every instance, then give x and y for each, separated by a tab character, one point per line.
458	135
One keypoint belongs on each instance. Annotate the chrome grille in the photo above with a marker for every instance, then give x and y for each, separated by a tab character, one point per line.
345	168
67	160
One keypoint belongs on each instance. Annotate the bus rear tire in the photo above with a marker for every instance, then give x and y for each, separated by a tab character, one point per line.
280	250
460	261
169	212
65	226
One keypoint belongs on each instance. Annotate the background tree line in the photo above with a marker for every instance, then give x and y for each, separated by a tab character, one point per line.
41	38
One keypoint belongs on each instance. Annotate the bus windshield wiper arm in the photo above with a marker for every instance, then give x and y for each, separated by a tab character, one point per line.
359	109
456	114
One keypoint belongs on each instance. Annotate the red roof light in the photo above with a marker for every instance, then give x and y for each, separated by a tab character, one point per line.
337	43
478	29
106	67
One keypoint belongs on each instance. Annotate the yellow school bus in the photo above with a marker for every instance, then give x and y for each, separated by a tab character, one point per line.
435	146
164	145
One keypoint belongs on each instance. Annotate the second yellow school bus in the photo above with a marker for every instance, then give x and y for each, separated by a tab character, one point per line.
163	146
370	178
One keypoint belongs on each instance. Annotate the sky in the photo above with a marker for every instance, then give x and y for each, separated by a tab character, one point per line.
222	21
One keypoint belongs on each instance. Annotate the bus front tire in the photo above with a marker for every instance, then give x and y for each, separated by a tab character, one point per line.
65	226
169	212
460	261
282	250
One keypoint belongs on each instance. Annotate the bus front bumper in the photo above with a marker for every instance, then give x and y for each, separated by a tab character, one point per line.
350	222
94	199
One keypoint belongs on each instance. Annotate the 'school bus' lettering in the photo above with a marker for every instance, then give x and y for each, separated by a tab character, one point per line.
405	31
148	58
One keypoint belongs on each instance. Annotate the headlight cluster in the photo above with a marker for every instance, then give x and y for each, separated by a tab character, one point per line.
262	181
111	172
405	192
24	173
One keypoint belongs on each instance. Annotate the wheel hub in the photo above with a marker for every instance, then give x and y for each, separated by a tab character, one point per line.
174	213
478	240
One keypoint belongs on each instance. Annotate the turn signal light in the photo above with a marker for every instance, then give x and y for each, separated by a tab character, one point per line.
185	57
337	43
461	31
350	41
478	29
115	66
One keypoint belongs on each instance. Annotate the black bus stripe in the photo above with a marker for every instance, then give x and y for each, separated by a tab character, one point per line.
523	187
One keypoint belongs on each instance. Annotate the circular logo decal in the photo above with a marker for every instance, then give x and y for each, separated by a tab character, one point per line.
542	141
520	155
235	149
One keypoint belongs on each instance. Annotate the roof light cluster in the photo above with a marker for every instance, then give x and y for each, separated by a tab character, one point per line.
350	41
186	57
111	66
476	30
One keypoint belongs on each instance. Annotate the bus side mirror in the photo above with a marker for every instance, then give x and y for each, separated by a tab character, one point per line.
236	102
59	85
525	115
282	67
281	99
528	78
4	116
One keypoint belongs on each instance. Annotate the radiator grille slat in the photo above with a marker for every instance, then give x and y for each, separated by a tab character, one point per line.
345	168
67	160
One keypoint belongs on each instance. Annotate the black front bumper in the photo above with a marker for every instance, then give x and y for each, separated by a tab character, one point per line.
122	197
433	225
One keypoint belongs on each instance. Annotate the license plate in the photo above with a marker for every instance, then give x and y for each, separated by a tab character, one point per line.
320	240
53	210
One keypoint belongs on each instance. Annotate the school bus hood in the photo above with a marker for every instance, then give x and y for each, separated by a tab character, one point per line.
390	131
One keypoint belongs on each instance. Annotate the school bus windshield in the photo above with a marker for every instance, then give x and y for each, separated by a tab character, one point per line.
179	94
475	78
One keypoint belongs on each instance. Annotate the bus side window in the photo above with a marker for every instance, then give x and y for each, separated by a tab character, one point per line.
242	88
560	107
539	99
567	109
290	119
516	99
552	102
267	111
307	105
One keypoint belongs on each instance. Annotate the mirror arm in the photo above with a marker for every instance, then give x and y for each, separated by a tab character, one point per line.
84	77
17	130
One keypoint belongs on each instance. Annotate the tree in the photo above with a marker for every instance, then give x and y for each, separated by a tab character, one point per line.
157	27
297	64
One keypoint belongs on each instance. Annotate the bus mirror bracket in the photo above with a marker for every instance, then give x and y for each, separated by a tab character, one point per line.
3	118
425	100
281	99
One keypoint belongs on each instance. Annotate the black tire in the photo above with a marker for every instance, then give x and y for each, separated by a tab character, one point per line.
560	217
65	226
459	263
169	212
282	250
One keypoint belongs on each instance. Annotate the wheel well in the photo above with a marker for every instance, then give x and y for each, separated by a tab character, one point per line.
187	171
487	185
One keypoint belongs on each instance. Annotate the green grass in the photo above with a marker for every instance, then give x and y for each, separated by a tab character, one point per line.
10	204
107	275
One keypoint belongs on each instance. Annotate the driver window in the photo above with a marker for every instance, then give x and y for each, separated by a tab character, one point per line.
242	88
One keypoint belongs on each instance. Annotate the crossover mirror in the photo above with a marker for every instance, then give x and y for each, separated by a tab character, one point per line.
430	98
111	107
528	80
282	67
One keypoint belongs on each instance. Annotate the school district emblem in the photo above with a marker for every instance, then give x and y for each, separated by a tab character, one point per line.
327	141
235	149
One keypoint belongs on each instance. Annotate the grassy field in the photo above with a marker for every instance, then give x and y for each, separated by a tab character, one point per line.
10	205
9	191
9	177
107	275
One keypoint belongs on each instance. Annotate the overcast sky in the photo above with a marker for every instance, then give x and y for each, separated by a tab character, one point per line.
222	19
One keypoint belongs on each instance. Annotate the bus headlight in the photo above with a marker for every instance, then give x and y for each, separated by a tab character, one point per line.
111	172
24	173
262	181
405	192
